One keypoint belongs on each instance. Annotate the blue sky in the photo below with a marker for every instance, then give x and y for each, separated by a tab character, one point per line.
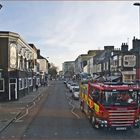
62	30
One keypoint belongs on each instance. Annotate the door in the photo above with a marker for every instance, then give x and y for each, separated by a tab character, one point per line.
12	91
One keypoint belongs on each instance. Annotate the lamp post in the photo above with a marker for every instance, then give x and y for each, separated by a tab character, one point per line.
138	4
0	6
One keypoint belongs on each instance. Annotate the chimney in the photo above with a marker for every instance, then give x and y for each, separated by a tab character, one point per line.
124	47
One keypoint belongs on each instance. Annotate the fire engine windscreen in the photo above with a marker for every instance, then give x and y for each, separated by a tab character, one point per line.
120	98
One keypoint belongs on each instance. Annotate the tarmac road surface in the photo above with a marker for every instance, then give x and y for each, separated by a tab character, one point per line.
54	120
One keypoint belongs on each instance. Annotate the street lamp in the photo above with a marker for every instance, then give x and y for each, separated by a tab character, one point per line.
0	6
138	4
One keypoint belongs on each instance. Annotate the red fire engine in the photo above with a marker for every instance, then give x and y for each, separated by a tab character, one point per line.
110	105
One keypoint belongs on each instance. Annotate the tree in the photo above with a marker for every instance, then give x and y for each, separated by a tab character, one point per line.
53	71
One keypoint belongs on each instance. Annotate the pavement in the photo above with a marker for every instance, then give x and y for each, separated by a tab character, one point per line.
15	110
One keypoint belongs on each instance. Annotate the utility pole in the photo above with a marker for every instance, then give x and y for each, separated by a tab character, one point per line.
138	55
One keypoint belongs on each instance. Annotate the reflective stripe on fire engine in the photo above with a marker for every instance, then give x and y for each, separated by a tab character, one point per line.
123	122
90	103
83	96
96	107
122	117
86	99
115	125
125	119
121	110
122	114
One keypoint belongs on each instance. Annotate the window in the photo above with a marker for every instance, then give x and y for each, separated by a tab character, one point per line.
1	84
38	81
25	64
119	98
95	95
30	82
120	60
21	63
12	80
21	83
25	82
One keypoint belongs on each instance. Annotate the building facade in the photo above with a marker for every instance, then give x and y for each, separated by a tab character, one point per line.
123	63
68	69
115	64
21	68
16	66
43	69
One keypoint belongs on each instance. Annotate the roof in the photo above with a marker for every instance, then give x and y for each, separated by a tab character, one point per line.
33	46
113	78
110	87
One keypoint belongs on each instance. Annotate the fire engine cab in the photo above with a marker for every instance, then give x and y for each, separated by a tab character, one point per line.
110	105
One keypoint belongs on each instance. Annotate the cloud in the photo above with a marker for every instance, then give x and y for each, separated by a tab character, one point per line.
64	30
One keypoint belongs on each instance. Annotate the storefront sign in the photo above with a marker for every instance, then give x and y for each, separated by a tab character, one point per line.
129	60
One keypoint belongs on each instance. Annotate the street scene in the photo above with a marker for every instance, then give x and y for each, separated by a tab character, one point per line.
68	72
58	116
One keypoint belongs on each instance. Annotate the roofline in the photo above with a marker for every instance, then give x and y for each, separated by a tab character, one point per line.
9	34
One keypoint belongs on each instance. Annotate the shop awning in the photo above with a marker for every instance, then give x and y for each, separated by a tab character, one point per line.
113	78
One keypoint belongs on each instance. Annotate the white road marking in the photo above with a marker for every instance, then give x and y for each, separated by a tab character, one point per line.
73	106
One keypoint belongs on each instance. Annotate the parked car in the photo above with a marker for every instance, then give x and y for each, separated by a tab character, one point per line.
68	84
72	86
75	93
65	81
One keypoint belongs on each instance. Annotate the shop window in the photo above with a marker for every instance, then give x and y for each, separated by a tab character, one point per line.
30	82
25	82
1	84
21	83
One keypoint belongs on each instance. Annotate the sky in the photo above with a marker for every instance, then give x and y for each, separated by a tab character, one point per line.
63	30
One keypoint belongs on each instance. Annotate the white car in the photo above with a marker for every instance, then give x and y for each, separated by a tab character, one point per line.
72	86
68	84
75	93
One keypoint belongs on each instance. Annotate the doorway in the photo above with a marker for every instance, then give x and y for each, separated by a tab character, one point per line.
13	89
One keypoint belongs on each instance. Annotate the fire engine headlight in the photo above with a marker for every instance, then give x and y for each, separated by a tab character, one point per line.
137	120
104	121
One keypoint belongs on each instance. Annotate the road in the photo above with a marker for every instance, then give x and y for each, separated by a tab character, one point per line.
58	117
